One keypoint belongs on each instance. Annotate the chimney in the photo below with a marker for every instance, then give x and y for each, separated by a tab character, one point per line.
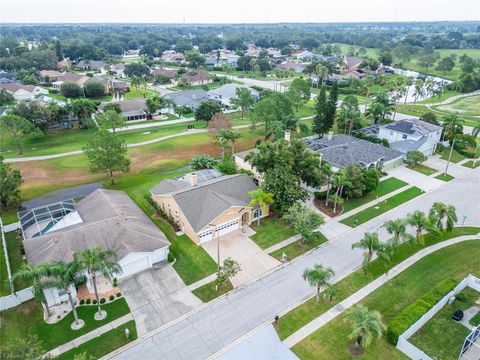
287	135
193	179
330	134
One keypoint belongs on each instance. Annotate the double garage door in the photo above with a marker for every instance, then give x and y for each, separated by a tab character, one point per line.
222	229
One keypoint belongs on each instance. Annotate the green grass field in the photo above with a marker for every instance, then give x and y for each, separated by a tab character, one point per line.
455	158
472	164
331	340
423	169
295	249
207	292
444	177
378	209
271	231
384	187
469	106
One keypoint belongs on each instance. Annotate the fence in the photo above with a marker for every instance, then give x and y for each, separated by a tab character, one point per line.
409	349
15	299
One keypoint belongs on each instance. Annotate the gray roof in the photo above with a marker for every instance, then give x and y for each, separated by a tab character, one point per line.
243	154
344	150
130	107
409	145
190	98
413	126
229	91
110	219
201	204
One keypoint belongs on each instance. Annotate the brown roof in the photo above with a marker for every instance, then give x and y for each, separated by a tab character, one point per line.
14	87
171	74
196	76
77	78
51	73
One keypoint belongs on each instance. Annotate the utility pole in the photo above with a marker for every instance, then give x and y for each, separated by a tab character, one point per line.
449	156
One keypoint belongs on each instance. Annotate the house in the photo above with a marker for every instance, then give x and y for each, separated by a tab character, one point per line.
131	54
64	64
7	77
199	77
226	93
212	61
133	110
171	56
410	135
108	218
106	82
78	79
23	92
91	65
205	210
353	73
47	76
172	75
341	151
190	98
117	69
291	65
351	63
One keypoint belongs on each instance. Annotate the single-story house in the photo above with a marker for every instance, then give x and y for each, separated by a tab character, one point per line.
7	77
291	65
342	150
64	64
173	57
131	54
23	92
91	65
354	73
50	75
172	75
199	77
226	93
411	135
133	110
212	61
107	218
351	62
205	210
190	98
69	76
118	69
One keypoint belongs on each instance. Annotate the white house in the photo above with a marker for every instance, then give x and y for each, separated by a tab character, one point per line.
107	218
226	93
23	92
411	135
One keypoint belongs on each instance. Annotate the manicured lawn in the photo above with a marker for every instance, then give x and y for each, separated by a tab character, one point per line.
442	337
309	310
271	231
456	157
386	205
331	340
138	93
15	257
207	292
9	215
466	106
475	321
103	344
444	177
445	95
5	288
27	319
384	187
295	249
472	164
423	169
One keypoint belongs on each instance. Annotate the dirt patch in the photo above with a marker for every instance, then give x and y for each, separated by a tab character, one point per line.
355	349
27	307
328	210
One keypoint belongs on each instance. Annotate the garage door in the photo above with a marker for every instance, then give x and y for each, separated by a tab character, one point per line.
135	266
222	229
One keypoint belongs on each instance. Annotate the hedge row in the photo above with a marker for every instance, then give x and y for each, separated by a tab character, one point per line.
167	217
417	309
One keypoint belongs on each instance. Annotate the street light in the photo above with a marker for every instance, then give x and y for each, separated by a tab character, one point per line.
464	218
449	156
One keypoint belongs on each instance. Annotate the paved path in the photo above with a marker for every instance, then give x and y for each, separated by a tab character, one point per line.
216	324
282	244
452	99
358	296
91	335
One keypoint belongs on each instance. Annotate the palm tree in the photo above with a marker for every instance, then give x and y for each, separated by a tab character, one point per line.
322	73
96	260
385	254
35	276
326	169
366	325
443	215
419	90
135	81
452	125
340	181
319	276
67	275
83	108
421	222
371	244
261	198
398	229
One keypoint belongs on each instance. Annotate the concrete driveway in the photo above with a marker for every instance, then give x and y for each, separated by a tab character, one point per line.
237	245
157	296
414	178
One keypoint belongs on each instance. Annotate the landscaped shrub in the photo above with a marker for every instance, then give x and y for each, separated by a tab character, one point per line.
111	297
160	212
94	302
170	257
82	301
462	297
417	309
115	282
103	301
88	301
119	294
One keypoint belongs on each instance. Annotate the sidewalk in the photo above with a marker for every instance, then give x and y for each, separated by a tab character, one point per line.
358	296
91	335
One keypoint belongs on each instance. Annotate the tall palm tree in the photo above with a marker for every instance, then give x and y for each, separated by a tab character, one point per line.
322	73
83	108
419	90
371	244
67	275
261	198
326	169
319	277
366	325
135	81
421	222
340	181
398	229
95	261
385	254
452	125
443	215
35	275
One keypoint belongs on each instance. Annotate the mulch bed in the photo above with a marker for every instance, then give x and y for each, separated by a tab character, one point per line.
355	349
328	210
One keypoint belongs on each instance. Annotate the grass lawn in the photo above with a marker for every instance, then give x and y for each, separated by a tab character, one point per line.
378	209
15	257
271	231
27	319
103	344
472	164
423	169
468	106
475	321
331	340
442	337
384	187
295	249
443	96
456	156
138	93
5	288
444	177
309	310
207	292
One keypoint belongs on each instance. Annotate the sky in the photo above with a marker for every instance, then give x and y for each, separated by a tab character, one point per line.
234	11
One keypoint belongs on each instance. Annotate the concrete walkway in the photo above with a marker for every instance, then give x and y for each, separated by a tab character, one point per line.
353	299
91	335
282	244
452	99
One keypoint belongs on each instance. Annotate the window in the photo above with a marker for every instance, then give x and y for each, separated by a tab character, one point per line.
257	213
404	136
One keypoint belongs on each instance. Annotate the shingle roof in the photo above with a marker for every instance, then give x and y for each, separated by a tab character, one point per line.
199	75
190	98
14	87
110	219
130	106
229	91
201	204
408	145
413	126
343	150
352	61
165	72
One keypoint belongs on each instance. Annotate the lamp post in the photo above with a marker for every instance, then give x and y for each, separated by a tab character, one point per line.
449	157
218	246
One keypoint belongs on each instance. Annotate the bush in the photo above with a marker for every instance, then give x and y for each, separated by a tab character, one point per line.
119	294
169	219
465	145
203	161
103	301
115	282
462	297
440	148
94	88
227	165
82	301
88	301
417	309
94	301
111	297
170	257
71	90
